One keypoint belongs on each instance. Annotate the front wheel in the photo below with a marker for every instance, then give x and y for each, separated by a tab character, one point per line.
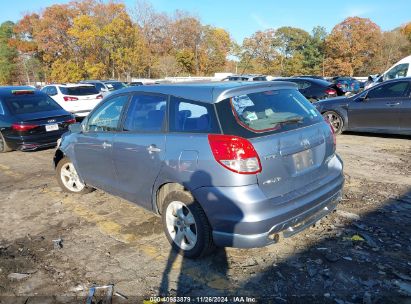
335	120
186	225
68	178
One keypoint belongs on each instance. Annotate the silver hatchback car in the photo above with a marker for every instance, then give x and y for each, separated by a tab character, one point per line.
225	164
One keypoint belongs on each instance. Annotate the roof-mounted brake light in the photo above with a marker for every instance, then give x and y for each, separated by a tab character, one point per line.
22	92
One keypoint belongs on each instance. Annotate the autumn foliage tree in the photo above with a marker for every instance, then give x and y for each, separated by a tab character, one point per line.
352	46
104	39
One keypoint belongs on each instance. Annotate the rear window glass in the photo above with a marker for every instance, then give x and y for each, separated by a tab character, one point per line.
269	111
79	91
31	104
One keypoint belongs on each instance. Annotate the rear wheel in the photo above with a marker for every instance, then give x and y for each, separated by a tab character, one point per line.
186	225
335	120
3	145
68	178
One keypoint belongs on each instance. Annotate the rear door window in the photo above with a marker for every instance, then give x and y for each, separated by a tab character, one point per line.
266	112
79	91
192	117
146	113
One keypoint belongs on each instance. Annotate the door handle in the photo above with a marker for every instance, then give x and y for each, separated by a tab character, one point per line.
106	145
153	149
392	104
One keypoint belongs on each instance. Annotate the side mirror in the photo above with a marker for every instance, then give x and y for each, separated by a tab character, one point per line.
362	98
76	128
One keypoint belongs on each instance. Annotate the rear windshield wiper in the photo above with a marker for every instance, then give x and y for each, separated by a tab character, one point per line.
297	119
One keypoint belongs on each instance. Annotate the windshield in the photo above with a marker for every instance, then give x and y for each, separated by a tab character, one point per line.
79	91
24	104
115	85
271	110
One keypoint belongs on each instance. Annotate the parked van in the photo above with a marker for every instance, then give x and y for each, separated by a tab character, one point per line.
400	69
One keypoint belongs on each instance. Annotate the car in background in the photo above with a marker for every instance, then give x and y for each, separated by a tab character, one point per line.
30	119
314	89
385	108
311	76
246	77
225	164
398	70
105	87
78	99
114	85
347	84
134	83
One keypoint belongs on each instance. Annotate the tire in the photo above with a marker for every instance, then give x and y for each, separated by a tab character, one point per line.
186	225
335	120
68	179
3	145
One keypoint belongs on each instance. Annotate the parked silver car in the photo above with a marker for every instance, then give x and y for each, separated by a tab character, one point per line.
224	164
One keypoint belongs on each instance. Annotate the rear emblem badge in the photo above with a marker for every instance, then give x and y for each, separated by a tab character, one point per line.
51	120
272	181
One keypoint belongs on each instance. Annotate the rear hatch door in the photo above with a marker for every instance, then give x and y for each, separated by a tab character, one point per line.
292	160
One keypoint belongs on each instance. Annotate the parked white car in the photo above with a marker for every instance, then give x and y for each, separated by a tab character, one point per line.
400	69
78	99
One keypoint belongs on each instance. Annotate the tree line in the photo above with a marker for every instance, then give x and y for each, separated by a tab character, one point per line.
93	39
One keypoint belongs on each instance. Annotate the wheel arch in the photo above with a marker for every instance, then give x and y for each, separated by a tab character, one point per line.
58	156
163	190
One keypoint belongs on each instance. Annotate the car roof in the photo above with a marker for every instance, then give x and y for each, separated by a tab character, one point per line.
7	90
211	92
70	85
314	80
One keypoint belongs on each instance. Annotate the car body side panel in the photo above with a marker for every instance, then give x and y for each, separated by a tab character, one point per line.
182	167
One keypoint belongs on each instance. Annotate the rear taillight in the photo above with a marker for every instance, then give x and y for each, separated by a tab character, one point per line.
235	153
332	131
69	98
22	127
99	96
71	121
330	91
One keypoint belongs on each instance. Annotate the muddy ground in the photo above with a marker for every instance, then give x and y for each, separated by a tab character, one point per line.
359	254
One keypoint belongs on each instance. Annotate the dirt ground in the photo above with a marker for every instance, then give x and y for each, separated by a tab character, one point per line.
359	254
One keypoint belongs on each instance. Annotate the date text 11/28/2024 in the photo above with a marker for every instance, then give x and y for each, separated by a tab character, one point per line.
199	299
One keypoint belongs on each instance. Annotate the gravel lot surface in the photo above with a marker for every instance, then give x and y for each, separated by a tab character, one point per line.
55	244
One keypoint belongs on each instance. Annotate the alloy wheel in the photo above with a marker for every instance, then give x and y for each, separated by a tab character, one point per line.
70	178
181	225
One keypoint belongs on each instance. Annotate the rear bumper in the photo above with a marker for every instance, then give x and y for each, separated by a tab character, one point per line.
244	217
81	113
34	142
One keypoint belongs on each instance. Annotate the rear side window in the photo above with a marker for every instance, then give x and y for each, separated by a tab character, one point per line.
400	70
146	113
191	117
79	91
266	112
24	104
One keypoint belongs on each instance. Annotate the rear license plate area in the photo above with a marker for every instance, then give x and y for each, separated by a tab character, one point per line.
52	127
303	160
